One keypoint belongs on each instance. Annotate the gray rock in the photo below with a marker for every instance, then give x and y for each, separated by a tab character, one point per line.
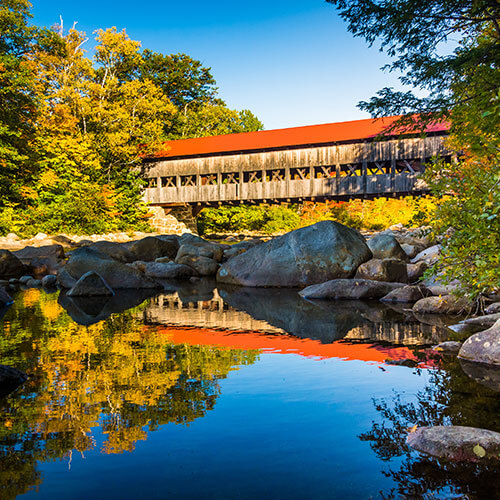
163	260
448	347
483	347
116	274
416	271
168	270
430	255
407	294
27	254
204	266
239	248
24	279
10	265
116	251
456	442
34	283
5	298
383	270
485	321
447	304
386	246
440	290
91	285
313	254
196	246
150	248
49	281
410	250
493	308
349	289
10	379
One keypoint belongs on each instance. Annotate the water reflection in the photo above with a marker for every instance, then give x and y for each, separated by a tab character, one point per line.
115	374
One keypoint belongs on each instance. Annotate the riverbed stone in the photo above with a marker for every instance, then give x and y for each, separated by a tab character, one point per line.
50	280
448	347
416	271
150	248
483	347
386	246
239	248
115	273
410	293
204	266
91	284
493	308
29	253
195	246
114	250
446	304
383	270
430	255
349	289
485	321
456	442
168	270
10	265
314	254
24	279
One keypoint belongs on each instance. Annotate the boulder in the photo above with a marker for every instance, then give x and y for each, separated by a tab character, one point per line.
10	379
90	285
10	265
24	279
196	246
386	246
349	289
49	281
151	248
5	298
448	347
313	254
163	260
204	266
114	250
410	250
430	255
383	270
483	347
27	254
416	271
239	248
446	304
484	321
34	283
115	274
407	294
493	308
456	443
167	270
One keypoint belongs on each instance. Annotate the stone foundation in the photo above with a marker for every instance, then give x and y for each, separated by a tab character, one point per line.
173	220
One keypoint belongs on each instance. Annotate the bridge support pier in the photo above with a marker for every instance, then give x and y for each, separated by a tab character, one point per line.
174	219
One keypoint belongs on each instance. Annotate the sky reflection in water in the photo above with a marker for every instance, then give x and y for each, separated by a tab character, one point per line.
261	413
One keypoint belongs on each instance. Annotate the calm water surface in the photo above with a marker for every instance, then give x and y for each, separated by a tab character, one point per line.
231	393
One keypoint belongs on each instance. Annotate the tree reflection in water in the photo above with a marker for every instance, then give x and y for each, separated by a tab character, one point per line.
449	398
116	375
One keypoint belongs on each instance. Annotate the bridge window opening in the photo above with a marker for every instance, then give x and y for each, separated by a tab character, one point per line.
152	182
208	180
276	175
255	176
409	166
323	172
351	170
168	182
188	180
300	174
378	168
230	178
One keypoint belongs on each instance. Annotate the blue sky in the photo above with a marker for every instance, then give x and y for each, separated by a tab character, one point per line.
291	62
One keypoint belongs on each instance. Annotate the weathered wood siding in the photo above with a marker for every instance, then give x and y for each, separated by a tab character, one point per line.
335	171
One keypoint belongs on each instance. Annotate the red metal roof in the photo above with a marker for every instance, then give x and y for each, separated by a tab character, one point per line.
285	137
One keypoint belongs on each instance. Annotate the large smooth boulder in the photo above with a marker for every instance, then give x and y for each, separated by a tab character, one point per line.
116	274
446	304
386	246
483	321
313	254
10	379
430	255
493	308
10	265
91	284
198	247
416	271
349	289
456	442
114	250
151	248
383	270
167	270
483	347
239	248
49	251
407	294
204	266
